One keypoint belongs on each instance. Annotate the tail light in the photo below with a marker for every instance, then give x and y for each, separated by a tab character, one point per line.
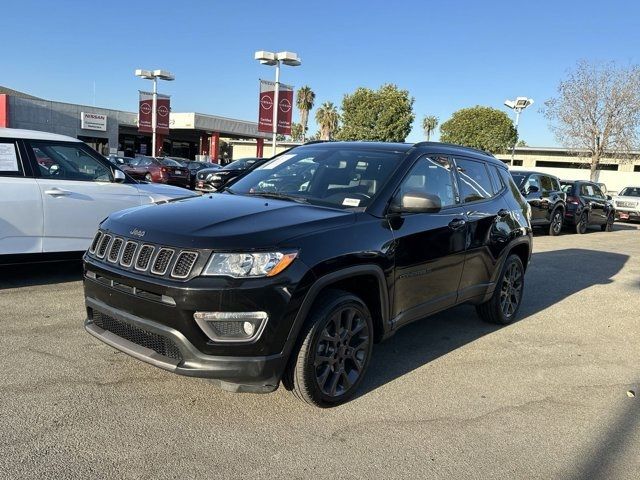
573	200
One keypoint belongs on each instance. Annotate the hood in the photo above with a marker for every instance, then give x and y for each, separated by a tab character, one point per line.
158	192
224	221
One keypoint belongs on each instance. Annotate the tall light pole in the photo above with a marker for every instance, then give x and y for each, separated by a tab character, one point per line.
519	104
274	59
154	75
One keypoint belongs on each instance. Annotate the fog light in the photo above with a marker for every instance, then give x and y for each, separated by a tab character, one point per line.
231	326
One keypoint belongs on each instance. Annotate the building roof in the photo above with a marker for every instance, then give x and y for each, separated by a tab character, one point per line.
34	135
16	93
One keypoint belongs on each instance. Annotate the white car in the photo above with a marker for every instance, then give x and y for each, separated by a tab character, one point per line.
55	190
627	203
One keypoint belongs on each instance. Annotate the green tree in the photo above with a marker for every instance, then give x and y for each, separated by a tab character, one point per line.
305	97
327	118
521	143
480	127
385	114
297	132
429	124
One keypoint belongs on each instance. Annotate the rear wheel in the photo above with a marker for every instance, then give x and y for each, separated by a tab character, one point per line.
581	225
504	304
608	226
556	223
335	352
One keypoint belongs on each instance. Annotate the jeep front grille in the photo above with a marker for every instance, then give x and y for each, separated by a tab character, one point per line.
156	260
158	343
144	257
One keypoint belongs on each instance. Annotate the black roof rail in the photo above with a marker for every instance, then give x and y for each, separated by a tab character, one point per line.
311	142
471	149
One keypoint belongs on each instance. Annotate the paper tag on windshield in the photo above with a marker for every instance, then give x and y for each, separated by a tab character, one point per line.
351	202
277	161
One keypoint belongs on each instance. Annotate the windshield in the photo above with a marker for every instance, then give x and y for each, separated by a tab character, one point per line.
519	178
170	163
334	177
630	192
238	164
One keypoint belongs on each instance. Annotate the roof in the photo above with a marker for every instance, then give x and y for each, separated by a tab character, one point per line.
402	147
16	93
34	135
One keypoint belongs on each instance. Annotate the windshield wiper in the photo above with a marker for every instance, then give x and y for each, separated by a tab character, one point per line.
280	196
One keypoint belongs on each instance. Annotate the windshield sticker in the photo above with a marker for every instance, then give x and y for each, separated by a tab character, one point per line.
8	158
351	202
277	161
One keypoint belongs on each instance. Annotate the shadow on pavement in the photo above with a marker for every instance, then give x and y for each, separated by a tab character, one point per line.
551	277
46	273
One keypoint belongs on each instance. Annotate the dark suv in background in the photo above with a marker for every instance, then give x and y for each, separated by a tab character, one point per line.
587	205
295	270
213	179
546	198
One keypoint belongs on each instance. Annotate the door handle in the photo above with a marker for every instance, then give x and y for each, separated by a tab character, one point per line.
503	212
56	192
457	223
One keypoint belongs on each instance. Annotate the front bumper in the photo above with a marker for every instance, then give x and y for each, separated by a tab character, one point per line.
258	374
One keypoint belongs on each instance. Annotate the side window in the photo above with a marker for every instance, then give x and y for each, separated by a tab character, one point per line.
10	164
547	185
496	179
69	161
474	180
431	175
598	193
533	180
556	185
587	190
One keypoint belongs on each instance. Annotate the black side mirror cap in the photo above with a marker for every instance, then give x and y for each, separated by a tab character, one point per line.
417	202
533	189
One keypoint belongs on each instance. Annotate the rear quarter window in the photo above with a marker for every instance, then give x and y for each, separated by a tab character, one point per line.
10	161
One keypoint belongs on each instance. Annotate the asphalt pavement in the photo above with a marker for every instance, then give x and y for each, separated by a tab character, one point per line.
550	396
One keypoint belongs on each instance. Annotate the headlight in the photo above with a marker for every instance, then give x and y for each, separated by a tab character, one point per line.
241	265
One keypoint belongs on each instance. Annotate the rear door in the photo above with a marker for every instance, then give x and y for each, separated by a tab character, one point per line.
77	192
597	203
20	201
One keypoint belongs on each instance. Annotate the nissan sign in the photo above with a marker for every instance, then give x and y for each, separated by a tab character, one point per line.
93	121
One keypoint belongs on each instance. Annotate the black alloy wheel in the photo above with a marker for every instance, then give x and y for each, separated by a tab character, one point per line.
335	352
502	308
608	226
556	223
511	290
581	226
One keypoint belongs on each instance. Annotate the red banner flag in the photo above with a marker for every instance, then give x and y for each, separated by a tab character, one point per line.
285	108
145	117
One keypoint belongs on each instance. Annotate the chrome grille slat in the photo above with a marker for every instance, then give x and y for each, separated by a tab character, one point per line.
184	263
114	250
96	241
144	257
128	254
104	243
162	261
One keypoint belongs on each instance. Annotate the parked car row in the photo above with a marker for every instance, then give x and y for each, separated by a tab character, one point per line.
559	203
214	179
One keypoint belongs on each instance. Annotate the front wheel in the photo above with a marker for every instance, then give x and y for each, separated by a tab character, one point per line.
148	177
556	223
581	225
504	304
335	352
608	227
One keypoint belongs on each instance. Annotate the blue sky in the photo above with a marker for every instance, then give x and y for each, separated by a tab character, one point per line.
449	55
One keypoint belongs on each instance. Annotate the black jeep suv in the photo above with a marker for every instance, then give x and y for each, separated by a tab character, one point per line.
547	200
296	269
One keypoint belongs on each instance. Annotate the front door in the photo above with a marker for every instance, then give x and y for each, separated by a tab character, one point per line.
535	197
597	203
78	192
430	247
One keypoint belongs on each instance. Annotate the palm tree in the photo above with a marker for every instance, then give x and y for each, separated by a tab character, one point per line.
327	118
304	101
429	124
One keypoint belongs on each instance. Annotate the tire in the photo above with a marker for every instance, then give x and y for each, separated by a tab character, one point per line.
582	223
510	288
555	227
327	380
608	226
148	177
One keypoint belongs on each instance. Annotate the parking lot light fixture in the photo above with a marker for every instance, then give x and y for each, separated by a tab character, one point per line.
275	59
518	105
154	75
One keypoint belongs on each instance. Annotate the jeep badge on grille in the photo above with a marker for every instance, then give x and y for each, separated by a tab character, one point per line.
138	233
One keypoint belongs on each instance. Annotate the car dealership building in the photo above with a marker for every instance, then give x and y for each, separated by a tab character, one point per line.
110	131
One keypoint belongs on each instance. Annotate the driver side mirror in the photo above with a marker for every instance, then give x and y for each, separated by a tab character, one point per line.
417	202
118	176
609	197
